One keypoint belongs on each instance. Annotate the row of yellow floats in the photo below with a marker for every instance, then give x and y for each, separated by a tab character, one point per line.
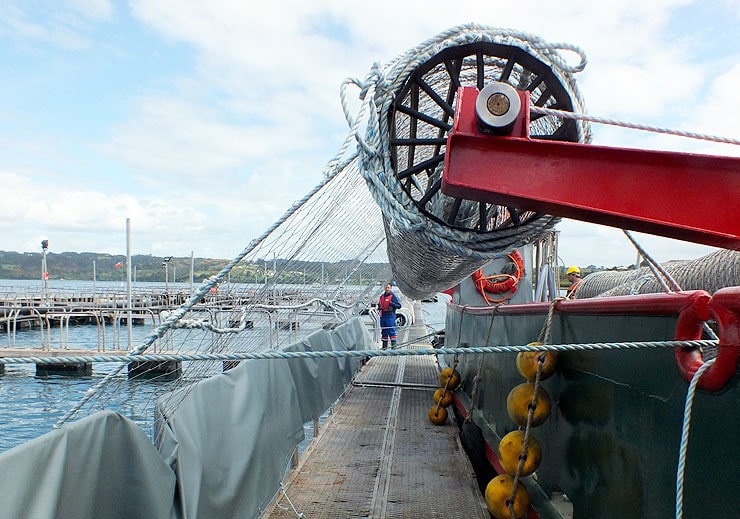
528	405
449	379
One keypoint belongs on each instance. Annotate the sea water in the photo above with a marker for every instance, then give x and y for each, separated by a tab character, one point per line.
31	403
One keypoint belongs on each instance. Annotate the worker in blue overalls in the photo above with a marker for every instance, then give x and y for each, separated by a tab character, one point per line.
387	306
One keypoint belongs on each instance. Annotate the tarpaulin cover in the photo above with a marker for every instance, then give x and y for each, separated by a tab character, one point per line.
224	444
103	465
230	438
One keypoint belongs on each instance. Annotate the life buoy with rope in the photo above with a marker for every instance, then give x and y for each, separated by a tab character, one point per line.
500	283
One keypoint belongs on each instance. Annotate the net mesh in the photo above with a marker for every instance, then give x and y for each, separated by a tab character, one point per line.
433	240
329	256
711	272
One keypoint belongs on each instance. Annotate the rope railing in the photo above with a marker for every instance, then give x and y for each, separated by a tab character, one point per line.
269	354
634	126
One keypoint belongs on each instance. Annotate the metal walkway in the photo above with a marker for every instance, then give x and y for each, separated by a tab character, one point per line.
379	456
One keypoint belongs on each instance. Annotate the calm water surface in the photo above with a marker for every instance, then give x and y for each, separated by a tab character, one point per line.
30	404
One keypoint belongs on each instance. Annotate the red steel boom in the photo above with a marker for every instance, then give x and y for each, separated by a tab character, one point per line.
679	195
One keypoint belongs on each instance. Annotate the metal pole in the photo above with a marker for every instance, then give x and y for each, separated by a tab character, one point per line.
166	281
44	271
166	265
129	319
192	270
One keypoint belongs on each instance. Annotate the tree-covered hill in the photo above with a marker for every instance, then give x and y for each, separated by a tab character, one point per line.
107	267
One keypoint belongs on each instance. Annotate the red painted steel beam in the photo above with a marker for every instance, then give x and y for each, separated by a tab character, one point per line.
679	195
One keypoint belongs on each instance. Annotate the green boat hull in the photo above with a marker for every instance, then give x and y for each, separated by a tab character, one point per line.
611	442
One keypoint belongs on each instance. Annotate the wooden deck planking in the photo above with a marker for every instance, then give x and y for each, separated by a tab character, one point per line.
379	455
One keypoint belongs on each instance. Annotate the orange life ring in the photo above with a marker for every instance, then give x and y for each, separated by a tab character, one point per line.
500	283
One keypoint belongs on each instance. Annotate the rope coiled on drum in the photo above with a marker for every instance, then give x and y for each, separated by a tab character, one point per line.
428	256
711	272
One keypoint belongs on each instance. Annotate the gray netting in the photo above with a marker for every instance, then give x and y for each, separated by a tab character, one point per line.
711	272
323	261
319	265
433	240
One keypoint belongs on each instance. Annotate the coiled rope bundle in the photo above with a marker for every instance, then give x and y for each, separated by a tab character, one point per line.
711	272
433	240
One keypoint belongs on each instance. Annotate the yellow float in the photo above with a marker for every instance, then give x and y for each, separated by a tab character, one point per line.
443	397
519	399
437	415
449	374
498	492
527	362
510	448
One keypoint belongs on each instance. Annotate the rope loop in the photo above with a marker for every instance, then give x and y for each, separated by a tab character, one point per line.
552	50
374	78
546	332
477	379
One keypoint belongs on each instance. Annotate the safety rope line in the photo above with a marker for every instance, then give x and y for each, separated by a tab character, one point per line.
272	355
477	379
635	126
685	427
544	338
292	506
525	441
658	271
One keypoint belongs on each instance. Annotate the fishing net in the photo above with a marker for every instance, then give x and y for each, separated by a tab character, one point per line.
328	257
434	240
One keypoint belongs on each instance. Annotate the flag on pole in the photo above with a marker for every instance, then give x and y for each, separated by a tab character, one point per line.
119	265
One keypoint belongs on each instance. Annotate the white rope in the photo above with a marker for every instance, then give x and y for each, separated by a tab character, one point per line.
271	355
686	426
378	92
634	126
292	506
655	267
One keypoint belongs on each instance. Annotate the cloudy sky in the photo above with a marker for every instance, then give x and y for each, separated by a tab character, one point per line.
203	121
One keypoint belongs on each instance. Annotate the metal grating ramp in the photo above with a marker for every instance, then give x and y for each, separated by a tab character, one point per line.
380	457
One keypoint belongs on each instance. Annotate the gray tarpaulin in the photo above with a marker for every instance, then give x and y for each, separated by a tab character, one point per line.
321	381
224	444
230	438
103	465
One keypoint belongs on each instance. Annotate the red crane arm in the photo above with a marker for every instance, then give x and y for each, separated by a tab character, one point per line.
679	195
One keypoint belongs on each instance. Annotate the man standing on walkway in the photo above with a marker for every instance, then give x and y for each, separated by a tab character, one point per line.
387	306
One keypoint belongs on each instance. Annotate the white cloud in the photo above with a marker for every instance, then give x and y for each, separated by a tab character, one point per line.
212	150
82	220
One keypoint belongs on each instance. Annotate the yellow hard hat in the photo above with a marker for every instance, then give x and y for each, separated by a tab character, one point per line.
573	270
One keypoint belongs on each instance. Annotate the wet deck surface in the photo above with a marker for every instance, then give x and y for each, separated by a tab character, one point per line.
379	455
